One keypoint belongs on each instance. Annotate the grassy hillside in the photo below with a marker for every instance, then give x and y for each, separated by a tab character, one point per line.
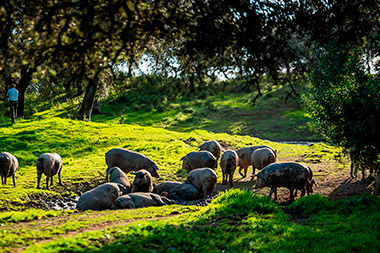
220	108
82	146
236	221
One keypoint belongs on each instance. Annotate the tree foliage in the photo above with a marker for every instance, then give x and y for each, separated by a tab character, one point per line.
345	99
79	42
345	95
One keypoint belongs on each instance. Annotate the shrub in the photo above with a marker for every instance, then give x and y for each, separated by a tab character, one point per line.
312	204
236	201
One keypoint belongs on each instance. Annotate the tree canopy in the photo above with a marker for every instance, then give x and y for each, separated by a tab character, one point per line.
77	42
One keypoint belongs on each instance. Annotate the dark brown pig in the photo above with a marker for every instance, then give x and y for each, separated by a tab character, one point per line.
100	198
291	175
229	163
213	147
49	164
362	159
141	199
142	182
128	160
245	155
8	167
262	157
198	159
177	191
204	179
116	175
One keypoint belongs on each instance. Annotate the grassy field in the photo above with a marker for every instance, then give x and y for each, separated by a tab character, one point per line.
271	118
236	221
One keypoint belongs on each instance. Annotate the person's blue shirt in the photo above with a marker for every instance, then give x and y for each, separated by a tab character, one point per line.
12	94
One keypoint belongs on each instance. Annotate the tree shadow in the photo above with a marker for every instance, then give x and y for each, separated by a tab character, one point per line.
350	187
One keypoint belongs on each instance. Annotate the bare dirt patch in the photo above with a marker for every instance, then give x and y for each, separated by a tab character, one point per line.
337	185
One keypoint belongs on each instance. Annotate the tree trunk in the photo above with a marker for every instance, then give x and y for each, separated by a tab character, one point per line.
200	77
88	100
26	78
191	80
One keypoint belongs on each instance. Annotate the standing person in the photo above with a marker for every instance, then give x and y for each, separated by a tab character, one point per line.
12	95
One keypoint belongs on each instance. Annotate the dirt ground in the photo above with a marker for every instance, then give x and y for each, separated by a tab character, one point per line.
334	186
331	182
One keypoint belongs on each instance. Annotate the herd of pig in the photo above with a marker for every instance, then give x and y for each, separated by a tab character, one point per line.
119	192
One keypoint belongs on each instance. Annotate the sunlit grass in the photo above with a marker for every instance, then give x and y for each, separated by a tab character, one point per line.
238	221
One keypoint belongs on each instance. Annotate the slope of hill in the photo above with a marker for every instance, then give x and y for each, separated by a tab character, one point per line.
237	220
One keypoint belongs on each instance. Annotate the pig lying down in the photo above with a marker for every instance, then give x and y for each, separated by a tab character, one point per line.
141	199
177	191
100	198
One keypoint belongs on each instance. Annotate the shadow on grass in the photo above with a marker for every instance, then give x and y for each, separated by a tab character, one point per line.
350	187
233	113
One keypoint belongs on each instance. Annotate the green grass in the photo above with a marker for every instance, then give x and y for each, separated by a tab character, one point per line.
232	225
82	146
271	118
51	224
236	221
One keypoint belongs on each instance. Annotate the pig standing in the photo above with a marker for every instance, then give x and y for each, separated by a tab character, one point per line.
213	147
198	159
245	155
204	179
262	157
49	164
128	160
362	159
8	167
228	163
294	176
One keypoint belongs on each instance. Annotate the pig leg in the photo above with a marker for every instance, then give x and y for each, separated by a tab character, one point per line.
253	172
158	201
224	178
5	180
38	180
47	183
291	194
14	180
273	190
245	171
59	178
303	191
231	180
352	170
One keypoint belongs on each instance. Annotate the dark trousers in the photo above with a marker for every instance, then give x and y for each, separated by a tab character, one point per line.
13	105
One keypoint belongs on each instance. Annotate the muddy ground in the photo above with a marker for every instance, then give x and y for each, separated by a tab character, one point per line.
334	186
